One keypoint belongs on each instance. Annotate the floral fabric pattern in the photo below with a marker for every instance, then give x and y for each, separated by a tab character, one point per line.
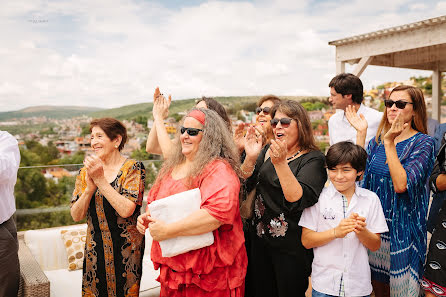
114	248
278	226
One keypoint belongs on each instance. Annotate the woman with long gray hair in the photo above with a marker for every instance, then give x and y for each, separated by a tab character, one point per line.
204	157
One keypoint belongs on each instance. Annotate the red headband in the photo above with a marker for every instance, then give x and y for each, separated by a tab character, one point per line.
198	115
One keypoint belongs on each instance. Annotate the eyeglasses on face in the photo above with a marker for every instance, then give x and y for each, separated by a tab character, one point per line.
400	104
266	110
284	122
190	131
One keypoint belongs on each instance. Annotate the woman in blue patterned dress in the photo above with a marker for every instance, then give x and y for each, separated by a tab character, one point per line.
400	161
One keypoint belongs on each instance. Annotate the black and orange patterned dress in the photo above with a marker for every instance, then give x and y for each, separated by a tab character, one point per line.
114	248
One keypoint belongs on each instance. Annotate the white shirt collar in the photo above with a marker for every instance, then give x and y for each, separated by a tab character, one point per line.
359	192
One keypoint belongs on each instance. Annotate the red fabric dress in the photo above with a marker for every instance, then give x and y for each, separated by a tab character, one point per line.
217	270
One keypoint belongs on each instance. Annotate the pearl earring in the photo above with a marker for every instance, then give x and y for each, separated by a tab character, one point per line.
116	146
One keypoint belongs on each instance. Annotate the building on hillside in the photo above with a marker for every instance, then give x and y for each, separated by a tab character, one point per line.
55	173
328	114
315	115
83	143
131	145
66	147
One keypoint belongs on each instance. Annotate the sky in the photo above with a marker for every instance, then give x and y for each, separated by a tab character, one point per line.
116	52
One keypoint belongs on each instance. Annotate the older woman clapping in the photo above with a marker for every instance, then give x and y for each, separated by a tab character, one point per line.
109	191
205	157
290	174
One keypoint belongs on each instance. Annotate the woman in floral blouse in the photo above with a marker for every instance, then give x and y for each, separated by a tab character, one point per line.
290	175
108	192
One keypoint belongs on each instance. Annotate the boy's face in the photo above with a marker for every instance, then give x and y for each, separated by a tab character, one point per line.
343	177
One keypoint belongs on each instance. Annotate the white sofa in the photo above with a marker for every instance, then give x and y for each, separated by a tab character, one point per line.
47	249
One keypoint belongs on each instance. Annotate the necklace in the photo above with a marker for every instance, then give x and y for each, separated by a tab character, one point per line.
298	152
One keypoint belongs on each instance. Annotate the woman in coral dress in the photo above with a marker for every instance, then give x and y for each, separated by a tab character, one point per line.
205	157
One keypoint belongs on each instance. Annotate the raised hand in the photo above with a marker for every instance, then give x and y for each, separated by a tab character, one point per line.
357	122
262	130
397	127
253	143
95	168
239	137
160	105
278	150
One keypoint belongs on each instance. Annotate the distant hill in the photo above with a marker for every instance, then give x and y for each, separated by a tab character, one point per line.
54	112
232	105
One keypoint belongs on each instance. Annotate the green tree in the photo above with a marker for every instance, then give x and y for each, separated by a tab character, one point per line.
85	129
45	154
140	120
177	117
141	155
30	189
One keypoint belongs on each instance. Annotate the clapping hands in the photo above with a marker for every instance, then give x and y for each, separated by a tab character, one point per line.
278	150
95	170
253	142
239	137
354	223
160	105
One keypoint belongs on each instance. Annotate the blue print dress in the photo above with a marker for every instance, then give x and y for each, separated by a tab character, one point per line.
399	261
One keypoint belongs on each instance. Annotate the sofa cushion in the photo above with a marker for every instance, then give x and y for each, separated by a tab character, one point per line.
47	246
74	241
65	283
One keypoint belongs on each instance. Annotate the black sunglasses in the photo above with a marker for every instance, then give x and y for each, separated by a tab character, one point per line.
284	122
400	104
190	131
266	110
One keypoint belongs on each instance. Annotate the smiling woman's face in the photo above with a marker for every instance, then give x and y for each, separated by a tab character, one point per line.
100	143
262	118
189	144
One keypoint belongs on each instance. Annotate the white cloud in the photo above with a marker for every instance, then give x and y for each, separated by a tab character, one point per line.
89	53
441	6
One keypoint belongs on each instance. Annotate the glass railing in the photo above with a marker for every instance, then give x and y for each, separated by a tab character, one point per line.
43	194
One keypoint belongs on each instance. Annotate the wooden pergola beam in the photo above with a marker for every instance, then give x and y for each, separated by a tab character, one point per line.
362	65
420	45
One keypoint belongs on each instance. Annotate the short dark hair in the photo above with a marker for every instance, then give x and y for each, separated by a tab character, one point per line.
112	128
347	83
345	152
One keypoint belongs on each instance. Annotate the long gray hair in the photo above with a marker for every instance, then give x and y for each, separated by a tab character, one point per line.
216	143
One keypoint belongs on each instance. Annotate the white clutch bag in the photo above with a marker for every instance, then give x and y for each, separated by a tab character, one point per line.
175	208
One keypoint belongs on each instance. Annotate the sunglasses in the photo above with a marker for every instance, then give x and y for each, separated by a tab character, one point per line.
190	131
400	104
266	110
284	122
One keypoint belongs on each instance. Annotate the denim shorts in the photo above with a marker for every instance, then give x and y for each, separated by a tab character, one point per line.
315	293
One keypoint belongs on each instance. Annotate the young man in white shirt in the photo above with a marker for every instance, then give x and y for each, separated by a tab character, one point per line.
346	89
9	246
345	222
